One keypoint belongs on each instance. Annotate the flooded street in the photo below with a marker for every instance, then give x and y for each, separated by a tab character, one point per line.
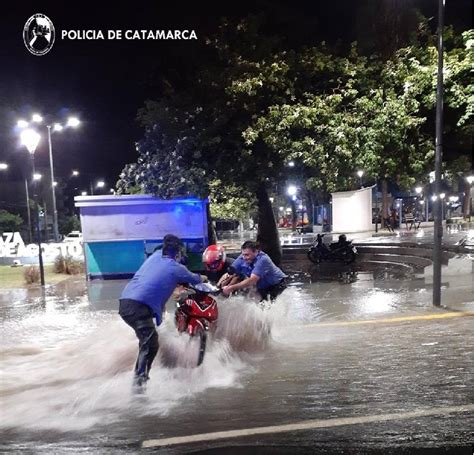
328	350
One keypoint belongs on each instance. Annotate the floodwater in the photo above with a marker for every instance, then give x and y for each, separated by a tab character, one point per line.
66	360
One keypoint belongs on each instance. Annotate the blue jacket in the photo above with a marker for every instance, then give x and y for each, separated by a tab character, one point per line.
263	267
156	280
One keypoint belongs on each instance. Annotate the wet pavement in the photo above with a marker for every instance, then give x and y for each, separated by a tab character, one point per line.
365	365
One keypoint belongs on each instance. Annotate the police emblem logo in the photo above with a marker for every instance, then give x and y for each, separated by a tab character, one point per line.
39	34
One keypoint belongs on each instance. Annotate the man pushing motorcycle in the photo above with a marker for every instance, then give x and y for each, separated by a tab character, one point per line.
145	296
259	270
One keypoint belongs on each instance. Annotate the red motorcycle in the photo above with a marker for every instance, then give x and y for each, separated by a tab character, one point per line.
196	313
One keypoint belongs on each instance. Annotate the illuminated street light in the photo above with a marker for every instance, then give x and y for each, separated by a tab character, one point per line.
30	139
360	174
470	179
56	127
434	197
73	122
55	183
442	195
291	164
292	190
37	177
100	184
418	189
3	166
75	173
84	193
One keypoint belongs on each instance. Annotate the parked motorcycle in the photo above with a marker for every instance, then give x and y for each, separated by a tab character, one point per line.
197	313
343	251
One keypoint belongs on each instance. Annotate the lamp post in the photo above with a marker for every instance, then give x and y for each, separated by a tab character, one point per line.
438	221
360	174
470	180
30	139
291	191
56	127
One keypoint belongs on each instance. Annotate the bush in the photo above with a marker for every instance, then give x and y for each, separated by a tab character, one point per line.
31	274
68	265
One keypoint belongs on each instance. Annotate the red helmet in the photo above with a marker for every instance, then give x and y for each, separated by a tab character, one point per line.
213	258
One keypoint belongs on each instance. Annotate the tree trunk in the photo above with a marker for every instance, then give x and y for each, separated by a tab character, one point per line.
211	230
267	234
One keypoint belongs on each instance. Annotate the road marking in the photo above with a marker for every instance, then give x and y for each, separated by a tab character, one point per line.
304	425
454	314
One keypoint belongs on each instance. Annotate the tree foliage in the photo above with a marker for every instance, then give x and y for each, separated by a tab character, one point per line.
260	104
9	222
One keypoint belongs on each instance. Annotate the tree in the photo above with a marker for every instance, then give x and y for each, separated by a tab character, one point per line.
9	222
68	224
259	105
230	201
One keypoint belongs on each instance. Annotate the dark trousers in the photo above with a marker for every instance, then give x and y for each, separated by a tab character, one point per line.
140	318
272	291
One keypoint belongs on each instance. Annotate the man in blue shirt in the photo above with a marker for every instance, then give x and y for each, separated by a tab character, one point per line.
258	269
145	296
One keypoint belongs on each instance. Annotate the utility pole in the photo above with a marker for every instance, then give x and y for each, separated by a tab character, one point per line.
438	222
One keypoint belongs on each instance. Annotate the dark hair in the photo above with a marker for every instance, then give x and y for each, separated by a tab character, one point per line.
172	245
249	244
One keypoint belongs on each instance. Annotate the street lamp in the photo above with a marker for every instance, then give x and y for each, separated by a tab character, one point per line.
56	127
360	174
292	190
30	139
470	180
3	166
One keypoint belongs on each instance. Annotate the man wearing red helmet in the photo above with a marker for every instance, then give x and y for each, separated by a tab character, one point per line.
218	267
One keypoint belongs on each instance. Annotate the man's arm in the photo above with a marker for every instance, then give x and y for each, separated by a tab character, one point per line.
248	282
186	276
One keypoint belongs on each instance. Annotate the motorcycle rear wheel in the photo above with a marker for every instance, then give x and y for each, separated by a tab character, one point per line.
314	256
350	257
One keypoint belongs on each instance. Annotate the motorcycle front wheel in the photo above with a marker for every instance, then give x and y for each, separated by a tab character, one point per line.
201	334
314	256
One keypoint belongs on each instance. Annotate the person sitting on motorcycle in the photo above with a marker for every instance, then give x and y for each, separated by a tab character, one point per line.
259	270
218	267
341	242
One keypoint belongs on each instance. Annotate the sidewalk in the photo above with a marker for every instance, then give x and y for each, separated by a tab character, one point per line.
423	236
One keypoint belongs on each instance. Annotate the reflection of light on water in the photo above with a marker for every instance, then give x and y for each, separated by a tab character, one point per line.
420	233
376	302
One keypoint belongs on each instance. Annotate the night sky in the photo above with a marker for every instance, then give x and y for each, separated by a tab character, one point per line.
105	82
